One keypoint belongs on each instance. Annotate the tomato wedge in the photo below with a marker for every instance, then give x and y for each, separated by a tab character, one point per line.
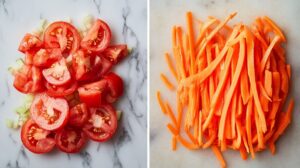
102	124
28	79
62	35
115	53
78	115
70	140
36	139
59	91
115	87
30	42
58	73
97	38
46	57
92	93
48	112
81	64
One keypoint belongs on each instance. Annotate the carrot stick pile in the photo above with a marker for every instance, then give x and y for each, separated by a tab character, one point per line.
232	84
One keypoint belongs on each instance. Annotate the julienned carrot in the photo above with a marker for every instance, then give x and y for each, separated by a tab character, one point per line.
232	86
166	81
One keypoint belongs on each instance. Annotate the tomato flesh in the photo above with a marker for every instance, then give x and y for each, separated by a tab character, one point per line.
115	53
97	38
59	91
78	115
30	42
62	35
115	87
46	57
36	139
48	112
103	123
58	73
70	140
91	94
28	79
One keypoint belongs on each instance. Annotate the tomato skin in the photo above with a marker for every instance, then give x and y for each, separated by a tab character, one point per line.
79	114
48	112
115	53
46	57
81	64
91	94
115	87
62	35
29	42
59	91
38	146
58	73
97	38
28	79
70	140
103	123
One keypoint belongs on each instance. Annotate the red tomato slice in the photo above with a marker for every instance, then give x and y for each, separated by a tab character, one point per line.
58	73
115	53
97	38
70	140
46	57
29	56
92	93
81	64
102	124
49	113
30	42
36	139
28	79
62	35
89	67
78	115
115	87
59	91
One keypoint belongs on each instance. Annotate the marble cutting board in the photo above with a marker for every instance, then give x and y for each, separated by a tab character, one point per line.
166	13
128	21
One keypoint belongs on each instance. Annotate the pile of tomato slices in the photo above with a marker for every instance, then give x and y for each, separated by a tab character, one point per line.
73	86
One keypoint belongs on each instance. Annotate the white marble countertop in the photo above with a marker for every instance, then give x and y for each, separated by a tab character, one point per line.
128	21
166	13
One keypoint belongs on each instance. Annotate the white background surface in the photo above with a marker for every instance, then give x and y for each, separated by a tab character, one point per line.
166	13
127	19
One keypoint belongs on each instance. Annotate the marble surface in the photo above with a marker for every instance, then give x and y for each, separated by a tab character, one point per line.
166	13
128	21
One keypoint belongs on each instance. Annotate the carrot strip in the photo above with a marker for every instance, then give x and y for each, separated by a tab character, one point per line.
173	130
189	18
275	27
268	82
174	143
160	102
170	65
219	155
248	127
251	74
267	53
187	144
166	81
171	114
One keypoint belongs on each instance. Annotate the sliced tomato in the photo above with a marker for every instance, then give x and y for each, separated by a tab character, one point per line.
102	124
97	38
30	42
58	73
28	79
115	87
92	93
89	67
78	115
48	112
70	140
29	56
36	139
59	91
46	57
81	64
62	35
115	53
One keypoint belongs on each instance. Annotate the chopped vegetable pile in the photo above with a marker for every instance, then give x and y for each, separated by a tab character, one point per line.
70	85
232	84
